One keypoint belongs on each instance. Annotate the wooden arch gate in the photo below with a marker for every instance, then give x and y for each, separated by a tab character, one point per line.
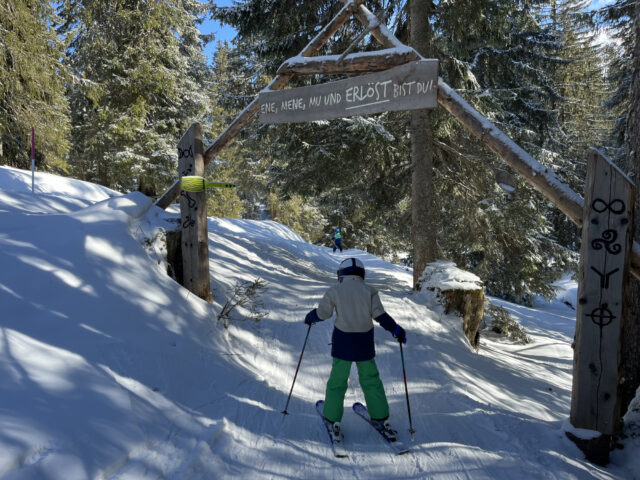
394	55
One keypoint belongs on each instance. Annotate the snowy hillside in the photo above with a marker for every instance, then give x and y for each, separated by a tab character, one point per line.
111	370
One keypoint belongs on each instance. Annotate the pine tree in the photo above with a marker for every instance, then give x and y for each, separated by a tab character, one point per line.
615	20
279	29
424	225
32	86
139	72
227	166
490	52
578	77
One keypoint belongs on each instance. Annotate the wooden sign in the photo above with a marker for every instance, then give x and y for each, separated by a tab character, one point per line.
193	212
411	86
604	277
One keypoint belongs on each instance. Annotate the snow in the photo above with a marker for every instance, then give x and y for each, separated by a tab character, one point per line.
300	60
507	188
445	275
112	370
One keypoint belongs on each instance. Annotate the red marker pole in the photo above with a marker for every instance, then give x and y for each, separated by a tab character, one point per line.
33	158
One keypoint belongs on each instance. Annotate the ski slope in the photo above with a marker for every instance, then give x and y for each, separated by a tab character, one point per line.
111	370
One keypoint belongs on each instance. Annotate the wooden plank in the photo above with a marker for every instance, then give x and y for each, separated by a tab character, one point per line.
379	30
355	63
604	267
407	87
193	213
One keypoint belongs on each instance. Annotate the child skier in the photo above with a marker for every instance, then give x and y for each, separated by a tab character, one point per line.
356	304
337	240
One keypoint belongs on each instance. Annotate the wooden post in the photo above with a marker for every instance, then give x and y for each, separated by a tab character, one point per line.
193	211
604	278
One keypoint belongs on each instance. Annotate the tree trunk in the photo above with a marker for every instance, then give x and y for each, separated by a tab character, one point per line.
423	225
631	329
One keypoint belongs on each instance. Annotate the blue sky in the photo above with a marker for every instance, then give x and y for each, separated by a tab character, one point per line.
222	32
600	3
226	33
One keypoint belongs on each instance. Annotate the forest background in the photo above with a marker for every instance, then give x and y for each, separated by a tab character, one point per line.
110	87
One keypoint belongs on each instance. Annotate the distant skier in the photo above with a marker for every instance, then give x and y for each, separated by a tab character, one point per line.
356	304
336	240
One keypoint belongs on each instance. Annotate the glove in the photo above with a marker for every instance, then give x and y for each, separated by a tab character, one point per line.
399	334
312	317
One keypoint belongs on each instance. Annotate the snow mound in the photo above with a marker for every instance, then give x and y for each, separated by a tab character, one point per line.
256	229
445	275
17	180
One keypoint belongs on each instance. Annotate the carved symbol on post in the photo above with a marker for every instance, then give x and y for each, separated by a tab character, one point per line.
604	276
615	206
187	171
189	222
186	153
601	315
608	238
191	203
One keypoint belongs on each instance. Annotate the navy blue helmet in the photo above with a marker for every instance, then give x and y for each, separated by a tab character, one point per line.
351	266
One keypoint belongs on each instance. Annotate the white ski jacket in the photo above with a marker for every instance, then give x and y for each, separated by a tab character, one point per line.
356	305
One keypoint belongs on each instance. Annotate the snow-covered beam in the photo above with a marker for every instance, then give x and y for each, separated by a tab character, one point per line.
365	62
378	29
540	177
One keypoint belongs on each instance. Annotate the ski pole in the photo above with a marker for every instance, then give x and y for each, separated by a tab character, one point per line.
284	412
406	390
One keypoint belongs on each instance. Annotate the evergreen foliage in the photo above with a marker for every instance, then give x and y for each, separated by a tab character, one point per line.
299	215
227	166
582	122
616	19
138	82
32	86
503	323
278	29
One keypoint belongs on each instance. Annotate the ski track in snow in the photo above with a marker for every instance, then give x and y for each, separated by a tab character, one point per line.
150	385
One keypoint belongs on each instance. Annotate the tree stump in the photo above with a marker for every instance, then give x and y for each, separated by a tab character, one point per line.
470	305
462	292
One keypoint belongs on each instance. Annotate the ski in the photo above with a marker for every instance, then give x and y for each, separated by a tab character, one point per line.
337	447
396	445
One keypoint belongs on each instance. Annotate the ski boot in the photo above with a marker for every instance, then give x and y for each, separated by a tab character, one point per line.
384	427
336	435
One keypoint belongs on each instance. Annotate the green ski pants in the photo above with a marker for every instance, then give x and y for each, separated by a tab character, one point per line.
370	382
